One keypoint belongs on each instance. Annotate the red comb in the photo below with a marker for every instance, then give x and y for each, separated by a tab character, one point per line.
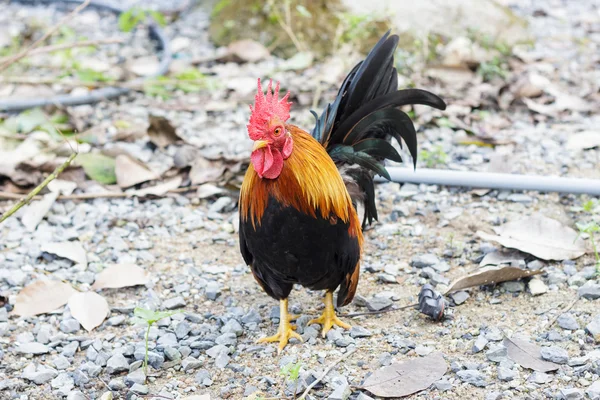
267	107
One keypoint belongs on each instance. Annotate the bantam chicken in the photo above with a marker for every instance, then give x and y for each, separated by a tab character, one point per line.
299	198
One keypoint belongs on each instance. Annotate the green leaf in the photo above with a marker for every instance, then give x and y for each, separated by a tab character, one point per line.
158	17
303	11
28	120
98	167
130	18
152	316
90	76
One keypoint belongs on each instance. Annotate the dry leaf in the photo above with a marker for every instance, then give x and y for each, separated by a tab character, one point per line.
162	188
74	251
540	236
161	132
208	190
489	276
204	171
248	50
89	308
132	172
119	276
584	140
527	355
42	297
61	186
404	379
35	212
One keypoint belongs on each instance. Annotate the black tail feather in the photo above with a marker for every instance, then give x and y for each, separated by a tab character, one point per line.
356	128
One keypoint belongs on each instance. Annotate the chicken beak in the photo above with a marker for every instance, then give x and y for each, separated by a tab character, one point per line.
259	144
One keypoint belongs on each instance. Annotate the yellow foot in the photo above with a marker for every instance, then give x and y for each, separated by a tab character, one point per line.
285	331
328	319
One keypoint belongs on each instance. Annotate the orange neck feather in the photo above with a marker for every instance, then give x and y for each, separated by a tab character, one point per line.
308	182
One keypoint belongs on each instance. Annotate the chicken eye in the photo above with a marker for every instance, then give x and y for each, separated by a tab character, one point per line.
277	131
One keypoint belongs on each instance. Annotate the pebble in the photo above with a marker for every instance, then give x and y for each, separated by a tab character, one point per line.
33	348
443	385
359	332
69	325
378	303
139	388
590	291
341	392
222	360
203	378
537	287
116	320
424	260
520	198
539	377
136	376
117	363
61	362
173	303
497	353
76	395
459	297
593	391
232	326
593	328
212	290
555	354
39	374
190	363
567	321
182	329
514	286
506	375
571	394
472	377
479	344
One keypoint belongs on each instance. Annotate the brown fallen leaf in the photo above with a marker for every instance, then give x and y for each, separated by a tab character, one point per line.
161	132
119	276
89	308
162	188
404	379
42	297
131	172
543	237
73	251
527	355
489	276
204	171
35	212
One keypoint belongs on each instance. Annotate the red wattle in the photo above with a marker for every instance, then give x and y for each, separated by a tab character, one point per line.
267	162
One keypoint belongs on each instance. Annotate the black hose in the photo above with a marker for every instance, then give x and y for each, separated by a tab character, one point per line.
155	32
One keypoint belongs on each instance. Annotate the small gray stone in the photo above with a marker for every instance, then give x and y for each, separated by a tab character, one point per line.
497	353
571	394
117	363
359	332
61	362
567	321
505	374
222	360
190	363
232	326
63	382
182	329
539	377
423	350
378	303
593	391
362	396
459	297
40	374
555	354
493	396
494	334
136	376
139	388
424	260
537	286
472	377
227	339
212	290
117	384
175	302
593	328
514	286
479	344
203	378
32	348
341	392
443	385
519	198
590	291
172	354
76	395
220	204
116	320
252	317
69	325
168	339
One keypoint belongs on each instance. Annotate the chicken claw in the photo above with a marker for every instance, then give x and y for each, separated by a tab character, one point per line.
285	331
328	319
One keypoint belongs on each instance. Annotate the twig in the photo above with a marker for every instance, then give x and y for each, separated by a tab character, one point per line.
336	362
39	188
387	310
65	46
564	310
133	85
48	33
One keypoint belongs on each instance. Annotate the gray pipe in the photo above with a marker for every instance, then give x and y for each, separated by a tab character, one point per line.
488	180
98	94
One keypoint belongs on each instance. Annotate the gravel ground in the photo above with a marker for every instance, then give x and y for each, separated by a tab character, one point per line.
426	234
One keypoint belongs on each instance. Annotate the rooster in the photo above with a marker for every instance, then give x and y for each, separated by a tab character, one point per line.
298	201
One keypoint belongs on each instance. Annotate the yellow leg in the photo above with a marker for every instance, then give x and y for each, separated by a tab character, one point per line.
328	319
286	330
